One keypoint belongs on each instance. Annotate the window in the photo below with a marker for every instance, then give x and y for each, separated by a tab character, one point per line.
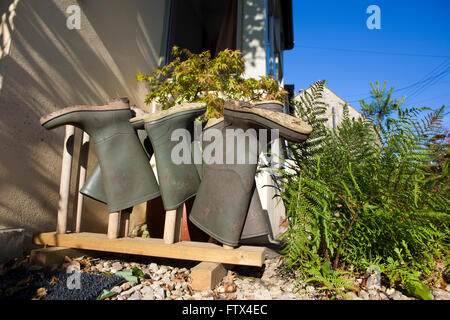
200	25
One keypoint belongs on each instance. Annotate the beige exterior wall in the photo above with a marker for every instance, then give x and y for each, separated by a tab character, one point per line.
49	67
332	100
252	36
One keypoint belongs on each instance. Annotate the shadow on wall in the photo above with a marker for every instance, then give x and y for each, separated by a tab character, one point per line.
50	67
254	36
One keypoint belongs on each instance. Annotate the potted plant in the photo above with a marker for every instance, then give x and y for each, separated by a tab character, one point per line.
201	78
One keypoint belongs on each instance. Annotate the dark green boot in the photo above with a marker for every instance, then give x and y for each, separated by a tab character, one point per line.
255	224
224	195
178	181
223	198
93	187
126	173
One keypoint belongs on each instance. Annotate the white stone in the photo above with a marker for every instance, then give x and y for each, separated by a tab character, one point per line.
117	290
135	296
148	293
364	295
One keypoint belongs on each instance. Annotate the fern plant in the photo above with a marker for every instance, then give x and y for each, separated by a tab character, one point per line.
361	192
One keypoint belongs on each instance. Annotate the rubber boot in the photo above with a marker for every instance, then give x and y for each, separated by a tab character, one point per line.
93	187
222	216
221	206
126	173
255	224
178	181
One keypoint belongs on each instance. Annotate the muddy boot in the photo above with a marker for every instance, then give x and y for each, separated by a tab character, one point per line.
126	173
178	177
93	187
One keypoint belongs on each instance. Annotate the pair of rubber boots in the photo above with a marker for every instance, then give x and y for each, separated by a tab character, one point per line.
126	175
227	206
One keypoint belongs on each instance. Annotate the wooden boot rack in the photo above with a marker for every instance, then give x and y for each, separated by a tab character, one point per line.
117	240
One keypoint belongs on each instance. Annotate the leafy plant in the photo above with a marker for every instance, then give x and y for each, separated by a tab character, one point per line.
106	294
200	78
361	193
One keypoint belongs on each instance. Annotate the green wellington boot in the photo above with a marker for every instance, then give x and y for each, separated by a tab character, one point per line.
93	187
178	181
255	224
222	216
223	198
126	173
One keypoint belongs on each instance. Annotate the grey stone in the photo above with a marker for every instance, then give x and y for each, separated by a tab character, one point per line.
153	267
135	296
117	289
160	293
364	295
390	291
439	294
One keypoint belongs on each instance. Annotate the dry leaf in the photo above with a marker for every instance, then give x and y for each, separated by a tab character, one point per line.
54	281
40	293
86	263
191	292
228	283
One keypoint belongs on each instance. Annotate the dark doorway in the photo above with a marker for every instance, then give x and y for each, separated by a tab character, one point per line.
201	25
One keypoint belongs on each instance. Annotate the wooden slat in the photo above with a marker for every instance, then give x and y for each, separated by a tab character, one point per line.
197	251
64	186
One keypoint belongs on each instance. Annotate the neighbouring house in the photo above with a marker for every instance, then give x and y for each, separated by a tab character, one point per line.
335	107
47	63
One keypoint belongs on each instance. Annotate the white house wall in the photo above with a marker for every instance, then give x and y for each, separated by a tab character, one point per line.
50	67
252	41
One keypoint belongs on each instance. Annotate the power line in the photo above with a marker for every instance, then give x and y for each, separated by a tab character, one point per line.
417	87
432	98
375	52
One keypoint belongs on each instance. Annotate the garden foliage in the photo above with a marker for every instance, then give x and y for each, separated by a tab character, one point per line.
213	80
373	191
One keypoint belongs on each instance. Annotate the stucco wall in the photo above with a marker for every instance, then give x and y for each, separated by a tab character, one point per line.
252	38
334	101
50	67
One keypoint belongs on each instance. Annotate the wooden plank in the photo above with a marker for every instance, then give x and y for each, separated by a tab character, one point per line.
197	251
82	166
206	275
52	255
64	186
113	225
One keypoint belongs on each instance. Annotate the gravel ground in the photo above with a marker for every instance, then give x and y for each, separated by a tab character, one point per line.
165	279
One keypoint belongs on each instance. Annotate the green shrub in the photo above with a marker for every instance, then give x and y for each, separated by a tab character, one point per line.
200	78
373	191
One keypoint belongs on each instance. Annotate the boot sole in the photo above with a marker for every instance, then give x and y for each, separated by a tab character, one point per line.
173	112
113	106
290	128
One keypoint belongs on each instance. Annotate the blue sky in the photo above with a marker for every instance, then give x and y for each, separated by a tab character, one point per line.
332	42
